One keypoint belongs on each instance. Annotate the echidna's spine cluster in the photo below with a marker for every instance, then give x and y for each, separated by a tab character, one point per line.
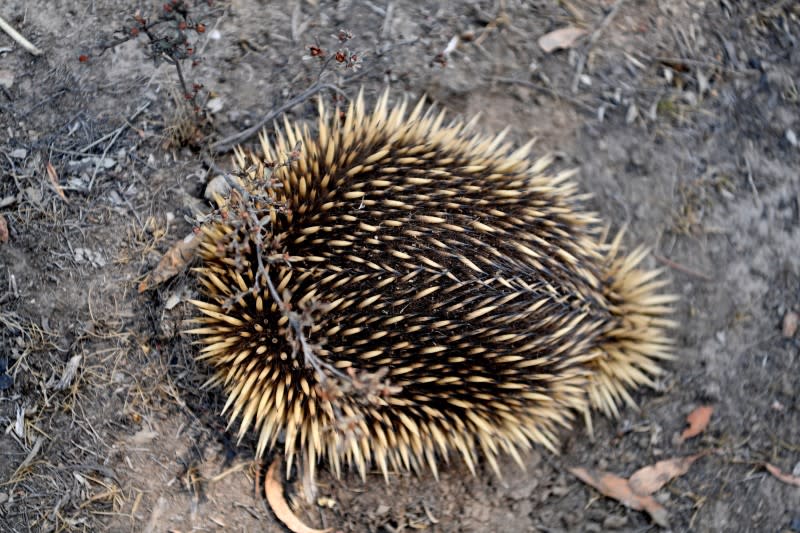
470	276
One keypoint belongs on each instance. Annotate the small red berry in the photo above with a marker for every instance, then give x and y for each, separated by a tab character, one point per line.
83	58
200	28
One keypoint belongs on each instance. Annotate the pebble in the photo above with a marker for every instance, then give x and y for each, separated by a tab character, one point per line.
791	136
217	185
615	521
6	78
215	105
790	322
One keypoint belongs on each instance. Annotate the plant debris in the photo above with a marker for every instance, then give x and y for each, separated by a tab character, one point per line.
172	263
649	479
698	421
561	38
618	488
783	476
277	502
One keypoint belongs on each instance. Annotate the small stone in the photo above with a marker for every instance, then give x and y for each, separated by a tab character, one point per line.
215	105
615	521
18	153
34	194
790	321
712	391
633	112
104	162
702	82
6	78
218	185
382	510
791	136
172	301
84	255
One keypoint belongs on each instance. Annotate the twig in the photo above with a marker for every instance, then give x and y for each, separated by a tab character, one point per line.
750	180
31	455
387	20
14	34
682	268
547	90
592	40
702	63
114	138
116	132
223	145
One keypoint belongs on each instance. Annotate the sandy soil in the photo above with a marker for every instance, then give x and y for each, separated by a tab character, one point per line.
684	123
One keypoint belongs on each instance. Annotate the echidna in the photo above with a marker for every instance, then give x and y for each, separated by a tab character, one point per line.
440	260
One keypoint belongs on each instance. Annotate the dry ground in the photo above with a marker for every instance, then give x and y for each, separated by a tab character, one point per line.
684	124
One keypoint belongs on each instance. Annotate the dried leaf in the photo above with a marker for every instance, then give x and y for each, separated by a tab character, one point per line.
619	489
174	261
277	502
783	476
51	173
698	421
70	371
31	455
649	479
3	230
561	38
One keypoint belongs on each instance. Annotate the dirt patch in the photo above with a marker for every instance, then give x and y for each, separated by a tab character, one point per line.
684	123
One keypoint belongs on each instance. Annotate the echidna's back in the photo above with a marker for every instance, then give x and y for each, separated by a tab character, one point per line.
477	280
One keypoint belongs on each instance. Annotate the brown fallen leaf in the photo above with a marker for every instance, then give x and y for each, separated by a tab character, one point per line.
698	421
649	479
274	490
619	489
3	230
51	173
783	476
174	261
565	37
